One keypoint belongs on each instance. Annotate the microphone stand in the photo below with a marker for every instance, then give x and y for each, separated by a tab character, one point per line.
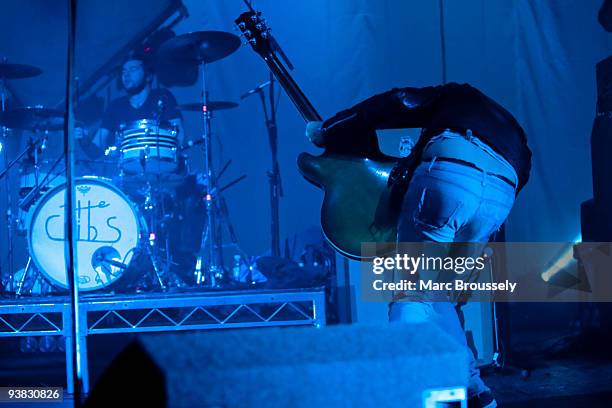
274	177
76	344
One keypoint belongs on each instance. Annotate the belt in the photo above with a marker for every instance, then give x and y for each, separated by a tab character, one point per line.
472	165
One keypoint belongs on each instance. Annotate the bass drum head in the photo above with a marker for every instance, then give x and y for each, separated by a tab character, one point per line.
107	230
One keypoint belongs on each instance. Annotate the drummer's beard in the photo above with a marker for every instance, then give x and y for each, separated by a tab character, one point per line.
136	89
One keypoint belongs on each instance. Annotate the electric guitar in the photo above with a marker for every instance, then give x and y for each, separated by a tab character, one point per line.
358	206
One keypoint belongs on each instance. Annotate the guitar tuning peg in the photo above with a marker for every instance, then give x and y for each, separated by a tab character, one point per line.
252	41
241	25
264	35
247	34
254	17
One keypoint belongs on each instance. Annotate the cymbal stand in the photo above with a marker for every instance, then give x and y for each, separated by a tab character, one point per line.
210	242
31	149
150	206
9	201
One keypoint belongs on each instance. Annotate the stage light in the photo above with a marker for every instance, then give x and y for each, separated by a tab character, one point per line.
1	146
565	259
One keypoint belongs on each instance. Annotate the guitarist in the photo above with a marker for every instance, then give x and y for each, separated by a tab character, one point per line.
464	173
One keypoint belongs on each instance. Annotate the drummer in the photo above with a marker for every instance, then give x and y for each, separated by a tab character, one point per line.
140	102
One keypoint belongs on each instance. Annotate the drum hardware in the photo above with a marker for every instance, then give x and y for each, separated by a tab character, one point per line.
30	192
150	204
11	71
149	154
109	226
28	281
156	268
149	158
33	148
22	280
201	48
17	71
40	121
23	277
33	118
274	176
212	106
148	147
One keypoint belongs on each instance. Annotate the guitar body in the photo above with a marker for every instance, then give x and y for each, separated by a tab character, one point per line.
358	207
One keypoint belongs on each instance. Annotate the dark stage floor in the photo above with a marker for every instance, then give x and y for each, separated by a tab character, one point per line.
554	382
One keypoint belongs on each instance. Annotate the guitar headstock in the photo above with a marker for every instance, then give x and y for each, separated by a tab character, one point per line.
254	29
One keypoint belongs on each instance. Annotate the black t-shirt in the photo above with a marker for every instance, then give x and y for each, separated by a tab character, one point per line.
121	112
434	108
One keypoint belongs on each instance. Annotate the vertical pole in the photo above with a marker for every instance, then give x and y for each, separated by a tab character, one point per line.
7	185
68	339
276	190
442	42
70	248
213	270
82	346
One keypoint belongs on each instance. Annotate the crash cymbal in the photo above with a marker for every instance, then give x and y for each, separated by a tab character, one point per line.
200	47
210	106
33	118
18	71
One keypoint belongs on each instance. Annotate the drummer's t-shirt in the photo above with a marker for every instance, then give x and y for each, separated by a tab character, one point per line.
121	112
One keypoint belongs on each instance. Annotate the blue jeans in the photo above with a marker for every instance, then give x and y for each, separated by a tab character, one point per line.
450	202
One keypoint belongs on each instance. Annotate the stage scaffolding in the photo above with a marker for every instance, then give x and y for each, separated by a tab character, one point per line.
159	312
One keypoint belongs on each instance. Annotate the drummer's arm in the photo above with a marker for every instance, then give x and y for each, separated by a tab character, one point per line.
92	146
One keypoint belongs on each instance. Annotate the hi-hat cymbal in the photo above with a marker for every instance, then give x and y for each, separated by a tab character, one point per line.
200	47
18	71
33	118
210	106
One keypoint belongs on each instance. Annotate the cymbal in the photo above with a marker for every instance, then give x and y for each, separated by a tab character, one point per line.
210	106
200	46
18	71
33	118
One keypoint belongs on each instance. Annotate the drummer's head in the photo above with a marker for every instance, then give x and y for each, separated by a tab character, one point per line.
135	75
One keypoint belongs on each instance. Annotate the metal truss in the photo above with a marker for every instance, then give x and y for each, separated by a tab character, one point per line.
159	312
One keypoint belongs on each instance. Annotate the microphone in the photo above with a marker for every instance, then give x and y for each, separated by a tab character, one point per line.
161	107
43	145
258	88
105	256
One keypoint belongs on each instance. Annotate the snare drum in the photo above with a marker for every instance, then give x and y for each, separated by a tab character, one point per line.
108	232
148	147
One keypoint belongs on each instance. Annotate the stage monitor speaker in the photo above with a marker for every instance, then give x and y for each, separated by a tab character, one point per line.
389	365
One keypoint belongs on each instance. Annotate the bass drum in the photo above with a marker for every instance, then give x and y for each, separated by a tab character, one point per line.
108	230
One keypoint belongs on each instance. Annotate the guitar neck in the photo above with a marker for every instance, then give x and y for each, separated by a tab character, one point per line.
303	105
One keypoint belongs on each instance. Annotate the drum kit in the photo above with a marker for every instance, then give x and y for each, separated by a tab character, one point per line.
124	223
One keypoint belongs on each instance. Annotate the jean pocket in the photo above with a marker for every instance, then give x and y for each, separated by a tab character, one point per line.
436	210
